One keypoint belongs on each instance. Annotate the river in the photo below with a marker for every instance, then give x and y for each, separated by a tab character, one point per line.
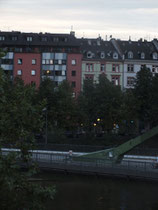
101	193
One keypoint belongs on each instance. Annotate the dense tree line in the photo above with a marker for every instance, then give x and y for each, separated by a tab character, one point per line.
102	107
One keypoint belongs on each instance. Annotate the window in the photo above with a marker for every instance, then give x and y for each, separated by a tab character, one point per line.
102	67
130	81
89	67
51	61
29	38
130	55
115	55
73	95
33	72
73	62
47	61
33	61
142	55
19	72
89	54
55	39
130	68
43	61
19	61
14	38
63	62
73	73
59	61
73	84
115	80
115	67
2	38
44	39
155	56
102	55
154	69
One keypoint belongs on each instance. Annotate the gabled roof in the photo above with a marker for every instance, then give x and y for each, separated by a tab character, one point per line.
137	47
98	48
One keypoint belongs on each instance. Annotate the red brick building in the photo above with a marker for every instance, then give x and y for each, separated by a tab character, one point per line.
74	71
28	67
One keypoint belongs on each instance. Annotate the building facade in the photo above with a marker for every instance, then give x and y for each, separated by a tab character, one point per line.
34	56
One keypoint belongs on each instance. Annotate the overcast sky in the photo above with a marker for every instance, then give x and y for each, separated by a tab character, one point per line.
88	18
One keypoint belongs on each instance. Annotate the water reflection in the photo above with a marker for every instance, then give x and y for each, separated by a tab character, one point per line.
96	193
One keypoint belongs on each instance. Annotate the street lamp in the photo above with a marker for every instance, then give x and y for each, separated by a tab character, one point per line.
46	128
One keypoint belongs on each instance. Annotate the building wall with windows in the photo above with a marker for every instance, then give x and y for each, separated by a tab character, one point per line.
6	63
132	67
54	66
114	72
28	67
74	68
91	70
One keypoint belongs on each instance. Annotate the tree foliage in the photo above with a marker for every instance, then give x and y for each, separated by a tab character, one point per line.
20	118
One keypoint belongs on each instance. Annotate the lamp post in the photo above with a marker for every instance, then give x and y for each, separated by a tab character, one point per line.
46	128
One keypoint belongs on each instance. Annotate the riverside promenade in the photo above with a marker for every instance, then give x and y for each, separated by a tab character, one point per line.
134	167
131	167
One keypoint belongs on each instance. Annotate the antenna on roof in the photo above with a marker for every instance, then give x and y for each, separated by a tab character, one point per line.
71	28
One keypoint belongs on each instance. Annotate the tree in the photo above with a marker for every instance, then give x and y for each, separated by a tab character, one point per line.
20	119
66	108
143	93
101	101
109	100
87	105
129	115
154	101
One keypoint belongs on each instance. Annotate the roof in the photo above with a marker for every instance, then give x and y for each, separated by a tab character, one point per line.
98	48
16	38
137	48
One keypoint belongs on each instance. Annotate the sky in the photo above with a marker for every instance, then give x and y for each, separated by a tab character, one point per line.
88	18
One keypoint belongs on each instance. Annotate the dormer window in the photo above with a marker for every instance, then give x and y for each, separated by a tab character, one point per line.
2	38
89	54
44	39
130	55
115	55
142	55
155	56
55	39
29	38
14	38
102	55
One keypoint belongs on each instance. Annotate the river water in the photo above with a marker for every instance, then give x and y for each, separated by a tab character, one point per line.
100	193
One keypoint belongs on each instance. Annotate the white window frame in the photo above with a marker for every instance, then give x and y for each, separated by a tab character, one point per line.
19	72
29	38
33	72
130	68
34	61
73	61
130	54
20	61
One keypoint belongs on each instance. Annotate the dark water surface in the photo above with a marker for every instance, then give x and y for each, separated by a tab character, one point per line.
100	193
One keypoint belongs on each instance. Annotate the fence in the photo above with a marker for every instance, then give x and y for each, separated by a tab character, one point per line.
127	168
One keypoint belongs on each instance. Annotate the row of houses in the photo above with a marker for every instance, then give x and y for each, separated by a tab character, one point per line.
34	56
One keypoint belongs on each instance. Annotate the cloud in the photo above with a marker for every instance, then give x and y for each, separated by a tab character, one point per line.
89	17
